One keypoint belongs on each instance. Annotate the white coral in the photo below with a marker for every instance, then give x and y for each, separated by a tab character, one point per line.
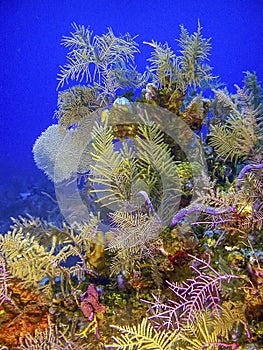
62	153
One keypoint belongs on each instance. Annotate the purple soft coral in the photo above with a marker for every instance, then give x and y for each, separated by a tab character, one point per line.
195	294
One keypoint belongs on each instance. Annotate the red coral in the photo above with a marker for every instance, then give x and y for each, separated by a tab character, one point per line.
180	258
90	305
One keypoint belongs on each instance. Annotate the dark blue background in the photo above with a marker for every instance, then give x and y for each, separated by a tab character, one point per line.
30	54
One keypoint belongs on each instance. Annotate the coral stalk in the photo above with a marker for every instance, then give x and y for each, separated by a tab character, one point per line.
199	208
149	203
245	170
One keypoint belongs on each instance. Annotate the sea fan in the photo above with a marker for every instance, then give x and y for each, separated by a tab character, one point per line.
142	337
61	153
191	297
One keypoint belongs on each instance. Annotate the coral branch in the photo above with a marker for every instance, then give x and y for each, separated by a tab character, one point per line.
4	279
245	170
199	208
225	345
149	203
192	296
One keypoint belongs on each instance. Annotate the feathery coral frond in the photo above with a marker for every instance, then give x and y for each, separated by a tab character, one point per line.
163	64
142	337
187	69
198	335
112	172
94	58
195	51
231	313
193	295
33	251
253	86
133	236
238	137
159	170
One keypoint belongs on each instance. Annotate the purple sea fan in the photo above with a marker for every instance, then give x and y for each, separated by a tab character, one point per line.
192	296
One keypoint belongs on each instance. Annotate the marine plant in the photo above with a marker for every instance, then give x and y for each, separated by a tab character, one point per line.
189	68
166	251
239	135
201	334
106	61
50	338
142	336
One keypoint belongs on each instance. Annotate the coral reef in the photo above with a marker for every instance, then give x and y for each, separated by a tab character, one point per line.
159	241
22	312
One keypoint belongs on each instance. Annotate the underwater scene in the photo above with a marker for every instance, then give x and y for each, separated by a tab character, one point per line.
131	207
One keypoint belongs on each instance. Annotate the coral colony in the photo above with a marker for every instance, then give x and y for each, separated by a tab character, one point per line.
158	179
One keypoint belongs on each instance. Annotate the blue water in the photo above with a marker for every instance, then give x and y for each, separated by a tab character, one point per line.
30	54
30	57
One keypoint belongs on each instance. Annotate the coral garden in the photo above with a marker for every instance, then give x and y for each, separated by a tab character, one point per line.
156	241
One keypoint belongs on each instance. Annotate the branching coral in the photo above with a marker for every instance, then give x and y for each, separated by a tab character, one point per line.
50	338
195	50
36	252
106	61
134	237
192	297
208	331
142	172
185	70
101	53
238	137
